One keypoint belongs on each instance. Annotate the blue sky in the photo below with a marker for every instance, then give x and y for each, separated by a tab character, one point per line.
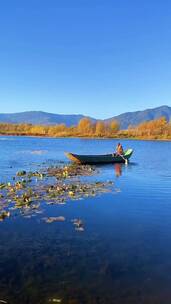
94	57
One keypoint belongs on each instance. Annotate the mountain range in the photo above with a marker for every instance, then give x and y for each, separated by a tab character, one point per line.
125	119
41	118
135	118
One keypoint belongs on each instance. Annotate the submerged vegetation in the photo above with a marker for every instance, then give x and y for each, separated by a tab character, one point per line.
154	129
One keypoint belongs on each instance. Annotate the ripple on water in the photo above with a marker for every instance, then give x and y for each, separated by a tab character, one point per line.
123	254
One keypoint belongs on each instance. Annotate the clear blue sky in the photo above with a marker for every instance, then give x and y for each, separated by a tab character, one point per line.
94	57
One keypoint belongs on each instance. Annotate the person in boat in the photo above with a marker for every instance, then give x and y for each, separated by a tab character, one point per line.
119	149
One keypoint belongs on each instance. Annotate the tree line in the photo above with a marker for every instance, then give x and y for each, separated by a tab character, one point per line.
153	129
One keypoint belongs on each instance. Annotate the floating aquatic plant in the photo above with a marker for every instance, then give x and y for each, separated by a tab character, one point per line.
55	185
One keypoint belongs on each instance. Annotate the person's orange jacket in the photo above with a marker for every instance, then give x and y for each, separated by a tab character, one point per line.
120	150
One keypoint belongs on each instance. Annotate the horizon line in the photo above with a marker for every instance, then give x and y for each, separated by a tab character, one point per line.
79	114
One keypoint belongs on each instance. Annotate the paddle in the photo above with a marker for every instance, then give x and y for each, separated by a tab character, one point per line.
126	161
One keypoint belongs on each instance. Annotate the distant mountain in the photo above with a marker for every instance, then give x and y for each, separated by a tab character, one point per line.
42	118
134	118
125	119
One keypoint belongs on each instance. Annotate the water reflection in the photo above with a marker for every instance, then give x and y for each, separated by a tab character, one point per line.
122	256
118	169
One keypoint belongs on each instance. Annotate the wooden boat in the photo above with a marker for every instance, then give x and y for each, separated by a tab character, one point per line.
100	159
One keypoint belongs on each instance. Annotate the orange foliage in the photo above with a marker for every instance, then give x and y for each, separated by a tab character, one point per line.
100	128
85	126
114	126
153	129
157	128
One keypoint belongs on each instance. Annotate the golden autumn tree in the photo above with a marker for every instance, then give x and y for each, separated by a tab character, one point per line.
114	126
56	130
38	130
100	128
153	127
85	126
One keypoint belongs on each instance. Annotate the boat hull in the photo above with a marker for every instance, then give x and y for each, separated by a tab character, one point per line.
100	159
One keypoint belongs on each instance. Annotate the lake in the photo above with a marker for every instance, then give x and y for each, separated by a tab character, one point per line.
124	253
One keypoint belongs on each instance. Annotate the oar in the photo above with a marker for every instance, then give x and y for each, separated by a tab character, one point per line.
125	159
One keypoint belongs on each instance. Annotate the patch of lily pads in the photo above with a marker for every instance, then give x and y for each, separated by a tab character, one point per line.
72	170
29	191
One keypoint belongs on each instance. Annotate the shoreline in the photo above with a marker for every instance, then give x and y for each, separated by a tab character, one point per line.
89	137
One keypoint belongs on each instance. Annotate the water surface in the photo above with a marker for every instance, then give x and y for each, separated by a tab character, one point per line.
123	256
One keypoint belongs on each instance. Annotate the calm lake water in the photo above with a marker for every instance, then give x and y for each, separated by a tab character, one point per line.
124	254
